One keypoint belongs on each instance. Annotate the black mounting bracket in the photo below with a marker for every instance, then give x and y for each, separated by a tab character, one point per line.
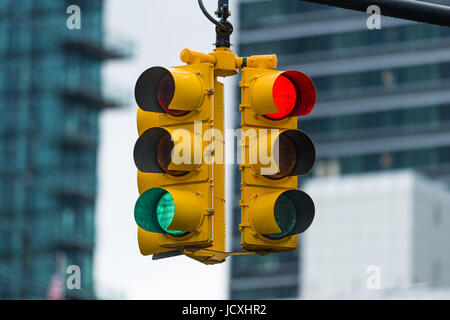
223	28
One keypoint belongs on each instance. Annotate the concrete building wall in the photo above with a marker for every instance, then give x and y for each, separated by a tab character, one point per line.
373	234
431	237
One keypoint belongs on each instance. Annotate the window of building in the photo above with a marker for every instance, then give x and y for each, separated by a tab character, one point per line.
426	159
419	118
337	44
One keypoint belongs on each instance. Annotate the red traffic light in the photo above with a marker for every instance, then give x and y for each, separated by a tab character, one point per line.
278	95
306	93
285	97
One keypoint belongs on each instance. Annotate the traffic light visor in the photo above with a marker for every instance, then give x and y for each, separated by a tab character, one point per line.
278	95
175	91
306	93
156	151
295	154
284	96
285	216
280	214
166	211
291	153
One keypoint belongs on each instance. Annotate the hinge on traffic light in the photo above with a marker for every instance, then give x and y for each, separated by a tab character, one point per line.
242	106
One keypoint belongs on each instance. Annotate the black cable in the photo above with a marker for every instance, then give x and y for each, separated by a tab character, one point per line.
210	18
404	9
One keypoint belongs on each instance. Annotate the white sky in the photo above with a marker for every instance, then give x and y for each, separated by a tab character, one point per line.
159	31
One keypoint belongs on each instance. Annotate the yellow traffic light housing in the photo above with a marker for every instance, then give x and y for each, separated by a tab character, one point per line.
181	205
180	153
180	156
274	154
273	99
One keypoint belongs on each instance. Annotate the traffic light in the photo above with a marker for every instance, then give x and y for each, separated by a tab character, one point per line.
180	206
180	153
273	154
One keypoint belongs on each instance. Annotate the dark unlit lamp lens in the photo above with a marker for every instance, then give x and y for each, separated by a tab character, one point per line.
287	157
165	211
285	97
164	150
165	93
285	214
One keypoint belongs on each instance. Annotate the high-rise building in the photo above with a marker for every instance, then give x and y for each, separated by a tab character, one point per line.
50	100
383	103
378	236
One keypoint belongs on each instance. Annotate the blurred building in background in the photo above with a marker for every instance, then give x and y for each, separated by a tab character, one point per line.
377	236
383	103
50	100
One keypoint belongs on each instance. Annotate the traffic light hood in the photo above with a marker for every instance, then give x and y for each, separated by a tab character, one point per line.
163	210
277	94
280	214
155	149
175	91
305	152
306	92
289	153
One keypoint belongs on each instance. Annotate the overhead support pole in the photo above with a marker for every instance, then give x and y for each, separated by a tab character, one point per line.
418	11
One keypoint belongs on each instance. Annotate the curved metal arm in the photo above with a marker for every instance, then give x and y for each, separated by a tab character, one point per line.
210	18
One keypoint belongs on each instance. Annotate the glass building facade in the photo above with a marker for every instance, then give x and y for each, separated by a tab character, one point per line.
383	103
50	100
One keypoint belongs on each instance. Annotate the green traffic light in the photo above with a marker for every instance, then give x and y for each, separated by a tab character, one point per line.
285	214
155	210
165	211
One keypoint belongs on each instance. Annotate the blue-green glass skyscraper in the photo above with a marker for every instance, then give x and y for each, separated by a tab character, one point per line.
50	100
